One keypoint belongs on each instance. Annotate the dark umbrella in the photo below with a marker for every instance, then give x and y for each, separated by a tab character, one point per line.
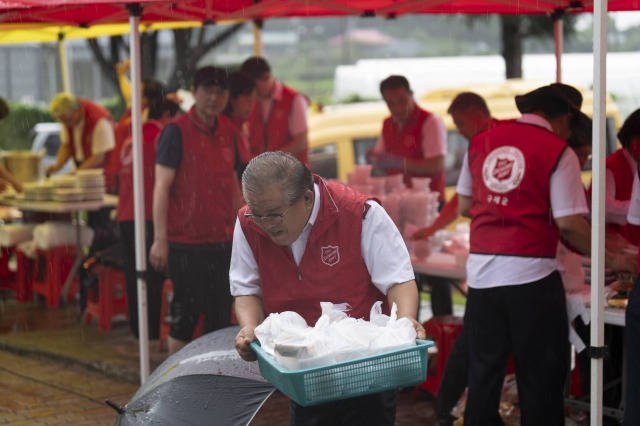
205	383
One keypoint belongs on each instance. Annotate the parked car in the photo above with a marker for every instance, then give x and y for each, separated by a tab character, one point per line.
47	137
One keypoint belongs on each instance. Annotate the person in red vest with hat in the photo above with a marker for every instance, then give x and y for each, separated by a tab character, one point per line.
278	121
518	185
194	208
87	134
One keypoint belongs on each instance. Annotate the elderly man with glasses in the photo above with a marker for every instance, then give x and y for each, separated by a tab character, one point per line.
302	240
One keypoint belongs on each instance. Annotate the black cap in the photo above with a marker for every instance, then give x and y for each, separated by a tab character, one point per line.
211	76
630	129
557	92
255	67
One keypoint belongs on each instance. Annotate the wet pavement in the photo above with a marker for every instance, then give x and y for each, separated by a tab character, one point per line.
55	369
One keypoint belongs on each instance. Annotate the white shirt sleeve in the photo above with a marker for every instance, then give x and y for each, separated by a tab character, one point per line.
383	250
634	207
567	190
434	137
64	135
615	210
298	117
103	138
465	184
243	273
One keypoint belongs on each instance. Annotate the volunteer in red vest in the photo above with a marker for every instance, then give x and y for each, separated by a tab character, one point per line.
471	115
242	100
632	328
413	141
518	185
87	133
151	91
302	240
621	168
193	208
278	121
160	112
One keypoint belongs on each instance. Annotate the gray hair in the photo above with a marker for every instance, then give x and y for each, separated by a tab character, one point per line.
277	168
465	100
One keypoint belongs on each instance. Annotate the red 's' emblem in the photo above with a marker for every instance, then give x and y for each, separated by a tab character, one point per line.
330	255
503	168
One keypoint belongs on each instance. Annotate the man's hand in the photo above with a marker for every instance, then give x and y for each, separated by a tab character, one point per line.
384	160
243	339
159	254
420	332
52	169
424	233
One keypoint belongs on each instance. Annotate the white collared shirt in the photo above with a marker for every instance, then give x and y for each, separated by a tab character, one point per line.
383	251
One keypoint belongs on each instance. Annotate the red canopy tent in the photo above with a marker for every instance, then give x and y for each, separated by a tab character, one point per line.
88	12
92	12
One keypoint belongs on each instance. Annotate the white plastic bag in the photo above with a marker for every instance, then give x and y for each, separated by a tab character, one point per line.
397	334
277	324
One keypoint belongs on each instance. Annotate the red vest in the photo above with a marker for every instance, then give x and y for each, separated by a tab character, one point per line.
407	143
331	268
92	113
619	166
274	134
201	207
510	211
112	160
150	132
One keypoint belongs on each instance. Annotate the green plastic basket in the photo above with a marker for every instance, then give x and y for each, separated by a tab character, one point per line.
347	379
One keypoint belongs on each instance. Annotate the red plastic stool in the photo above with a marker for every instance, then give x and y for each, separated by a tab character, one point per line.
7	276
111	297
165	320
24	291
443	330
50	271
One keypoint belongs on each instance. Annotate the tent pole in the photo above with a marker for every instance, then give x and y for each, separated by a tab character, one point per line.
64	66
135	11
559	42
597	348
257	37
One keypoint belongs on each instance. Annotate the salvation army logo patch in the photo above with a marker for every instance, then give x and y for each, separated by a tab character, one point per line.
330	255
503	169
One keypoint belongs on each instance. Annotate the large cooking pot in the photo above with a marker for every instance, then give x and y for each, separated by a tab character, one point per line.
25	166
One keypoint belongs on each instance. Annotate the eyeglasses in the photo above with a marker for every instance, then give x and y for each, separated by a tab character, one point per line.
270	219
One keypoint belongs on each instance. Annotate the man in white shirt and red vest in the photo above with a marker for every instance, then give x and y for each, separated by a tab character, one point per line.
278	121
87	133
87	136
302	240
621	169
518	185
414	142
193	208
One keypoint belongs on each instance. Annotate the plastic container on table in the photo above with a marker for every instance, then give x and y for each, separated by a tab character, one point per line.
347	379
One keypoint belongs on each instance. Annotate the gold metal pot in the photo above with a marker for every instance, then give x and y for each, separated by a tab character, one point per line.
25	166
